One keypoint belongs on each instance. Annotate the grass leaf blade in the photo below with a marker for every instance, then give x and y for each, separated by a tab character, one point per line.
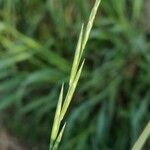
56	123
58	140
142	139
77	56
71	91
90	24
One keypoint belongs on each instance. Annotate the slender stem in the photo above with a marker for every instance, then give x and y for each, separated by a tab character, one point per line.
142	139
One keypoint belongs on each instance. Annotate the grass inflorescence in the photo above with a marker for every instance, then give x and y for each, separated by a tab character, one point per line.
76	70
37	40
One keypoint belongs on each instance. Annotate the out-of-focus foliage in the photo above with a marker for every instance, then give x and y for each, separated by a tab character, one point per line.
37	42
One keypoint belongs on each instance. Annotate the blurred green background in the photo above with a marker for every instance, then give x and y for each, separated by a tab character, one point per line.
37	42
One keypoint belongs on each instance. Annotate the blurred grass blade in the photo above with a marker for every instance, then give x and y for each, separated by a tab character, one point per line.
142	139
137	8
57	121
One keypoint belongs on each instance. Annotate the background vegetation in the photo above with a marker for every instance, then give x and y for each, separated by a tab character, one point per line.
37	42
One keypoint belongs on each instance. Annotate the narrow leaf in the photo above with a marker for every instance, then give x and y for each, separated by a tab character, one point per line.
71	92
76	57
142	139
90	24
59	138
57	122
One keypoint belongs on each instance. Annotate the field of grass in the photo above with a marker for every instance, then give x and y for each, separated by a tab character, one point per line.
111	105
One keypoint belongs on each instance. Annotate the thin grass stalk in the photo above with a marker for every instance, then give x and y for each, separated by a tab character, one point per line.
142	139
57	122
76	71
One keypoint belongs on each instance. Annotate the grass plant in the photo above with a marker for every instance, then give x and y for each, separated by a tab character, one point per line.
74	78
37	40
